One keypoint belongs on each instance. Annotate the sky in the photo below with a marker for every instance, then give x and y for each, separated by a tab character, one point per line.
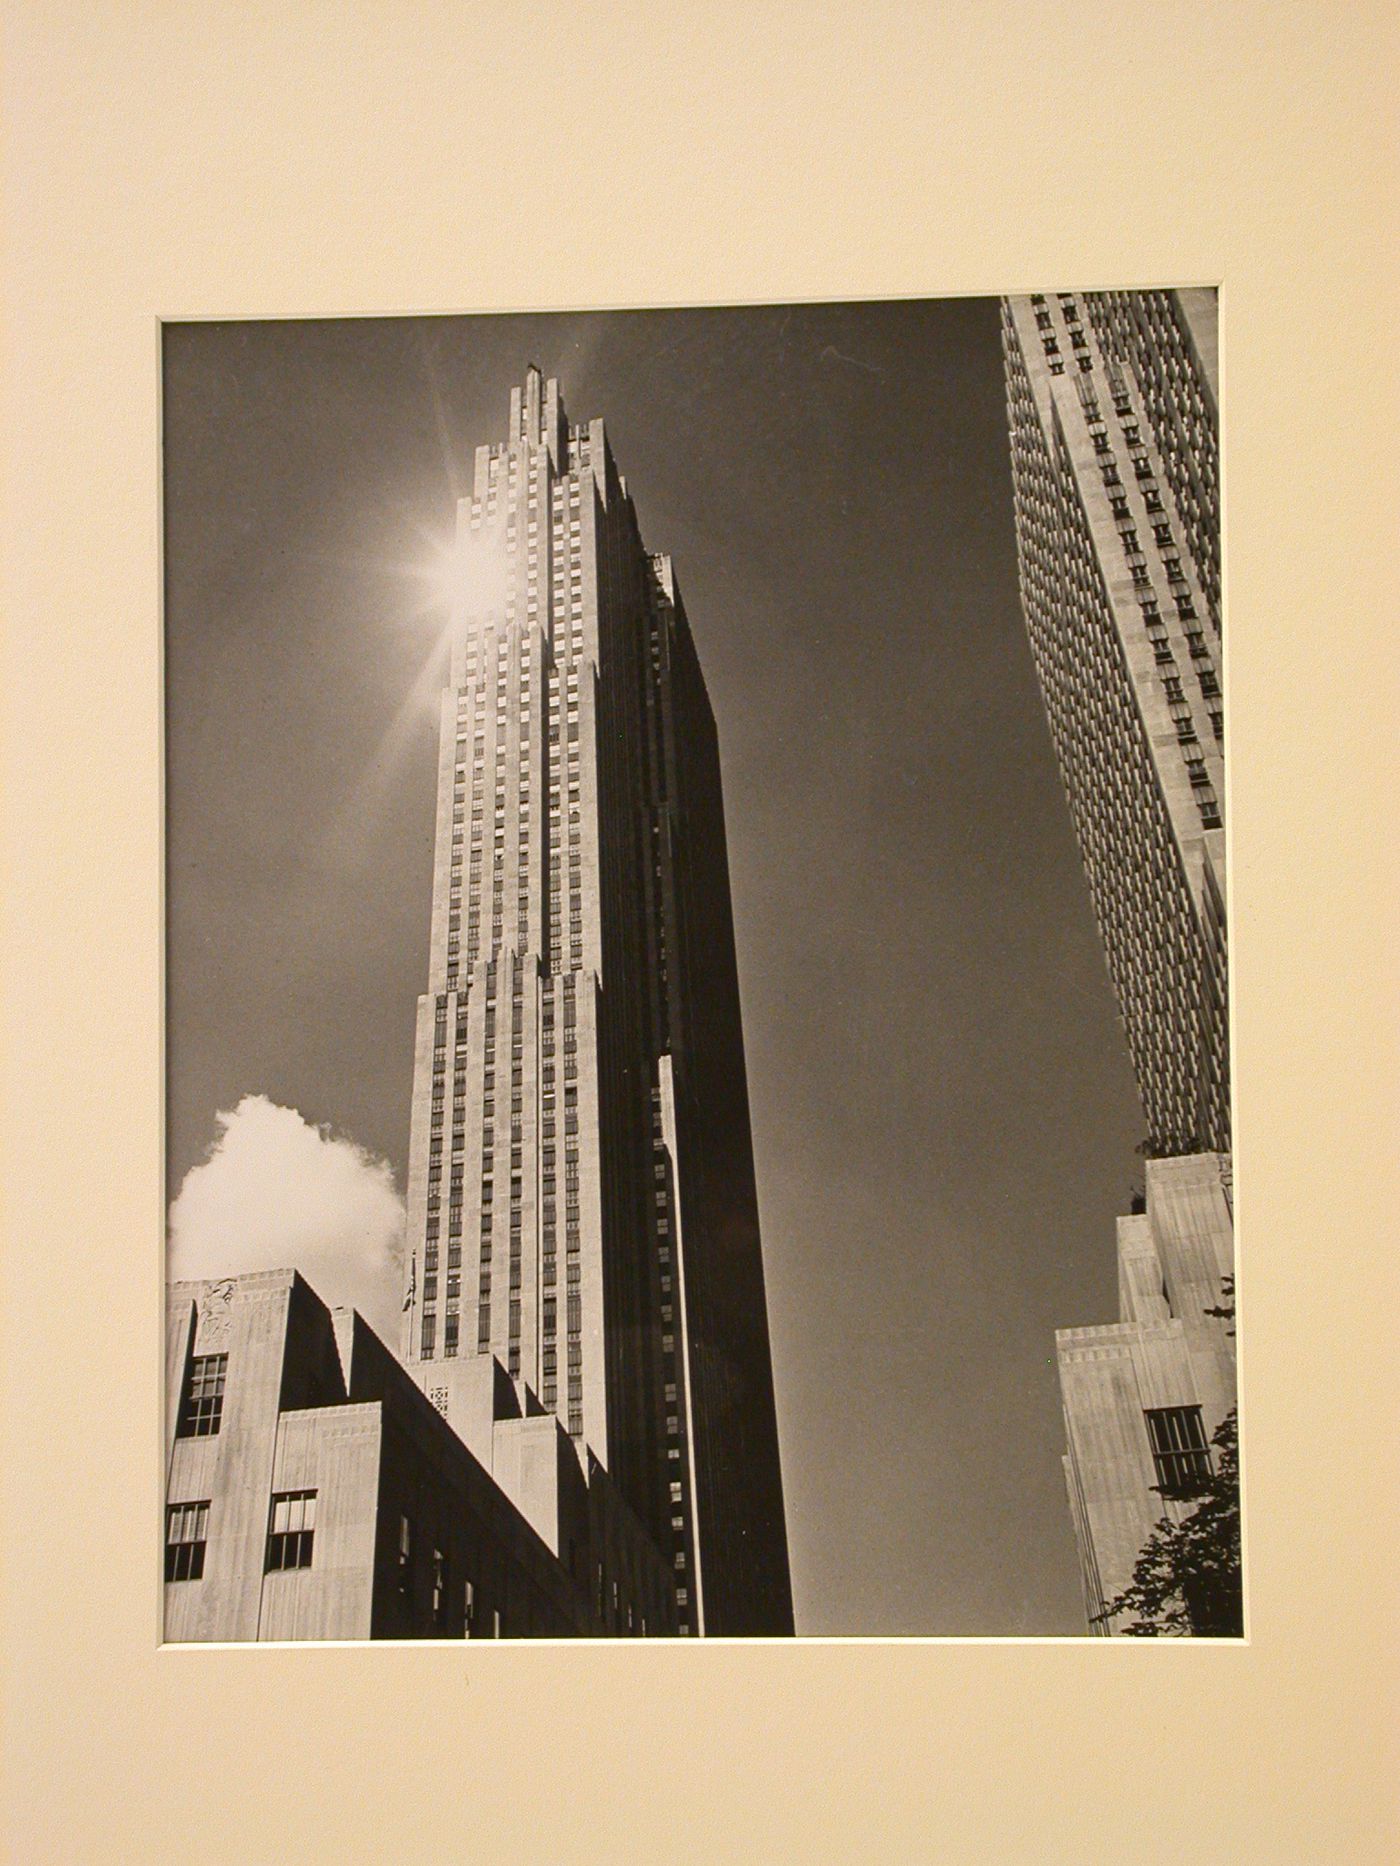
944	1118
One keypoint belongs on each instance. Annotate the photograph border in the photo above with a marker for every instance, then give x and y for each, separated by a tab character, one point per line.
456	313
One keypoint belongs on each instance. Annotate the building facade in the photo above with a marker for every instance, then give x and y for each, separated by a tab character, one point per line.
1113	407
313	1492
581	1197
1144	1396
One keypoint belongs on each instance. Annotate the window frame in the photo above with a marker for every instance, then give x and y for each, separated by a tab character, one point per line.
202	1397
291	1546
1180	1449
185	1550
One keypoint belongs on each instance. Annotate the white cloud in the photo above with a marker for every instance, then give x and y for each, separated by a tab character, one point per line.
278	1193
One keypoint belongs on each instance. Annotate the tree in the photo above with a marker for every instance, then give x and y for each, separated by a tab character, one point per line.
1187	1579
1226	1309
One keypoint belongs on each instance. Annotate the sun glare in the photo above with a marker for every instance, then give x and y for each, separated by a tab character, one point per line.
468	578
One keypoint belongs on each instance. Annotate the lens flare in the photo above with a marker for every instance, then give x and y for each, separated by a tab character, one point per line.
469	578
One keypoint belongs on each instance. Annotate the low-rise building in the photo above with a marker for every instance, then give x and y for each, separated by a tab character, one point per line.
1144	1396
314	1492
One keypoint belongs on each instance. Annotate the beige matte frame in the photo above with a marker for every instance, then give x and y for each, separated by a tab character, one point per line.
197	158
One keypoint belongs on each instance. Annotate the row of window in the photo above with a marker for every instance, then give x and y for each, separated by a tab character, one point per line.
291	1534
473	935
1091	720
290	1545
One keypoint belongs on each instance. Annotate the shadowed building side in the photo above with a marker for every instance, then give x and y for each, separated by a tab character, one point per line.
706	1124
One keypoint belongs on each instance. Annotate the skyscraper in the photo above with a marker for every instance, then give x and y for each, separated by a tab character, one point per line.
1113	405
581	1198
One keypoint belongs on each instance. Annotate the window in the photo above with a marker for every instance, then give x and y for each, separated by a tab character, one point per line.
1179	1449
203	1405
186	1534
291	1531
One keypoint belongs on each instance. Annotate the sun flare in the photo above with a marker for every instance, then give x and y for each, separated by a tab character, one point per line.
469	578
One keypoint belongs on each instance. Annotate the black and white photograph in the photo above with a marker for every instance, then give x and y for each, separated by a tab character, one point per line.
697	1010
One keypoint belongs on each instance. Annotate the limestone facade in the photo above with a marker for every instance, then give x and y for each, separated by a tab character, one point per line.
1113	408
1144	1396
313	1492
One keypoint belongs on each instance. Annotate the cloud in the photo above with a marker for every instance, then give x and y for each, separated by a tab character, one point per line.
278	1193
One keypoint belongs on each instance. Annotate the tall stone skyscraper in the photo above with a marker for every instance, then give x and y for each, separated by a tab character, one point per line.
1113	406
1115	462
581	1198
